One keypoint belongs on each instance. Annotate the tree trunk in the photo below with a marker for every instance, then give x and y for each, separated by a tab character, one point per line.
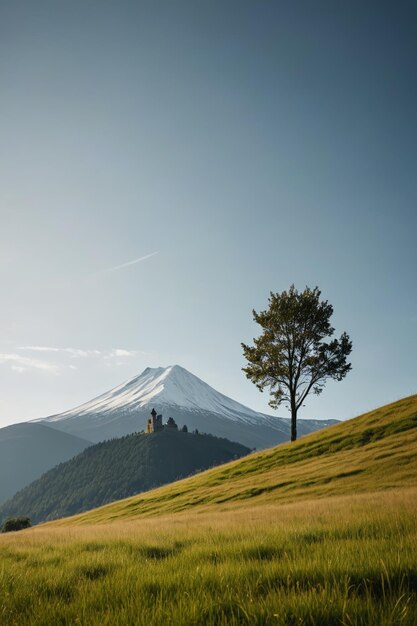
293	421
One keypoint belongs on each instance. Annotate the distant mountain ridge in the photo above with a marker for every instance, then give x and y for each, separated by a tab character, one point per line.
117	469
182	395
27	450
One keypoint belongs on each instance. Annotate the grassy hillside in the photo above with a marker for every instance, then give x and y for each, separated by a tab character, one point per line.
116	469
200	553
28	450
374	451
340	561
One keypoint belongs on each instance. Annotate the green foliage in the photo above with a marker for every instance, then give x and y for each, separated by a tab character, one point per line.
292	357
16	523
119	468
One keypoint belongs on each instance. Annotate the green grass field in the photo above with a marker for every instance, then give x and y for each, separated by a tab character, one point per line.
375	451
322	532
341	560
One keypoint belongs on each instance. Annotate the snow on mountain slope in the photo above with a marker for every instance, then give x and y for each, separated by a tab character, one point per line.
171	386
175	392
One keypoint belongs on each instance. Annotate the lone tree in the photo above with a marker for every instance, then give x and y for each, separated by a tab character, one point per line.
292	356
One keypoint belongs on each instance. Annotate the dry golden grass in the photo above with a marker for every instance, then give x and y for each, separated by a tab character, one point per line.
341	560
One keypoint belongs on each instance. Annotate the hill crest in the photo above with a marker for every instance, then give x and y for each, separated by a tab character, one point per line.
374	451
119	468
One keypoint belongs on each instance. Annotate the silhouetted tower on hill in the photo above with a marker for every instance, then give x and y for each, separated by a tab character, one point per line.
171	424
154	422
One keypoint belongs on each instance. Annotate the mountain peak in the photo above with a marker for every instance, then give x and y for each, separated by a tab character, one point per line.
171	386
176	392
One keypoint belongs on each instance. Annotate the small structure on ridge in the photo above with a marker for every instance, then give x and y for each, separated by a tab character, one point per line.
171	423
154	423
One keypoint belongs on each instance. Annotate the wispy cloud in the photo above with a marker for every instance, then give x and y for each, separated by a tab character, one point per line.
114	353
133	262
74	352
19	363
120	352
39	348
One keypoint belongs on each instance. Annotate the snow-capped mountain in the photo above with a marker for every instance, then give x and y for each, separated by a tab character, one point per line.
173	391
171	386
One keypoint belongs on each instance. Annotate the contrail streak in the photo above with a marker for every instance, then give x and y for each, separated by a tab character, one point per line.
142	258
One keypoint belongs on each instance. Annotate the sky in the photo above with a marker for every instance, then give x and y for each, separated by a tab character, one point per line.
165	165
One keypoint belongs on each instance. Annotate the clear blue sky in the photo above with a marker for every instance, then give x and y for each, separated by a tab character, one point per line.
251	145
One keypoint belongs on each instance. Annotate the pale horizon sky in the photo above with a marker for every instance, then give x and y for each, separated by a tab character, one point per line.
164	166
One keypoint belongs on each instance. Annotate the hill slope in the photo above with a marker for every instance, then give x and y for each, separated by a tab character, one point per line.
177	393
375	451
116	469
28	450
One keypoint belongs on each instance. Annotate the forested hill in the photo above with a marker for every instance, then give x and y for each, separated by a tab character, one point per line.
118	468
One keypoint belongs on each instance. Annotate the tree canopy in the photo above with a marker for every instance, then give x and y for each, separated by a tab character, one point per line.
16	523
296	353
